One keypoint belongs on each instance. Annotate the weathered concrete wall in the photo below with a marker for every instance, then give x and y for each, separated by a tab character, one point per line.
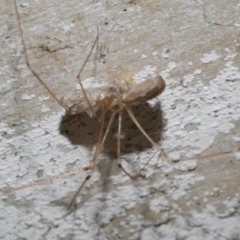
195	46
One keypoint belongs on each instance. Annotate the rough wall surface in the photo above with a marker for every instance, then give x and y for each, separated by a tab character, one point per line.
195	47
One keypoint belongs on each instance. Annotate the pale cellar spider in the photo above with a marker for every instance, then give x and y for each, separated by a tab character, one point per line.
115	98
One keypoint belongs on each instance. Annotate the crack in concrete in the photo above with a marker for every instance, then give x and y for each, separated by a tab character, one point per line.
206	17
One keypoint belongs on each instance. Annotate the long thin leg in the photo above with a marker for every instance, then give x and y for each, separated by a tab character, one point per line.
80	82
129	110
27	62
92	165
44	181
98	149
211	155
108	128
133	177
62	175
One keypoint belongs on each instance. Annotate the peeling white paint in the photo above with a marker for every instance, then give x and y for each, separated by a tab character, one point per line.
210	57
28	97
164	53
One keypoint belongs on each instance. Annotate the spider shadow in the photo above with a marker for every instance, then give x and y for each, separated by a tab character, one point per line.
83	130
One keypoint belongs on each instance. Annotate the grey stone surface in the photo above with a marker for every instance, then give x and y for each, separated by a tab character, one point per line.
194	46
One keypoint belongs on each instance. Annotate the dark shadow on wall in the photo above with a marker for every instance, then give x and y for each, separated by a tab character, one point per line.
83	130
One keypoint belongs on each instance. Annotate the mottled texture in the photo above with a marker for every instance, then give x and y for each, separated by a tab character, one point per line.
143	91
195	47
